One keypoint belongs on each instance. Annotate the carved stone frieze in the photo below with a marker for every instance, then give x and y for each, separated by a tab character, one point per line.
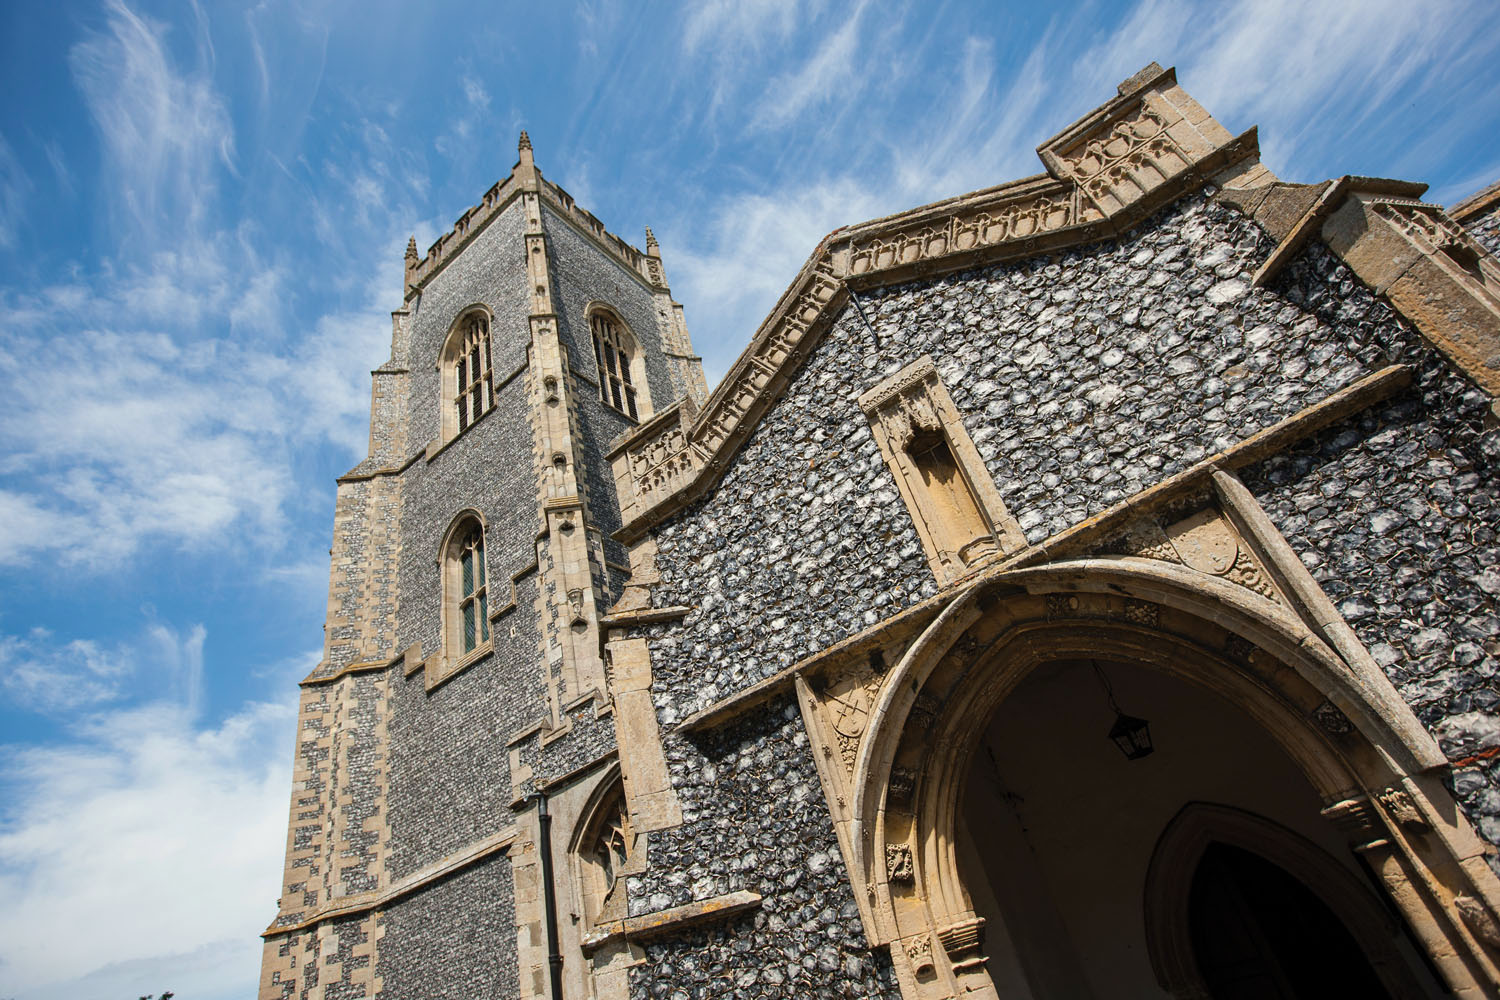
1402	809
903	782
1437	235
962	937
1142	613
1480	919
1124	157
1359	822
1017	220
924	712
1063	605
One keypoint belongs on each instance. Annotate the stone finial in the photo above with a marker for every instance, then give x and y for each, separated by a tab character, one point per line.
651	244
411	249
525	141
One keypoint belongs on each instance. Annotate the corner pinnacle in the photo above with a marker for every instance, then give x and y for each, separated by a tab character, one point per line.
651	243
525	141
411	248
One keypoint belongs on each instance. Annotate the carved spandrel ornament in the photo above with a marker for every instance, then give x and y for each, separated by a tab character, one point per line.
1206	542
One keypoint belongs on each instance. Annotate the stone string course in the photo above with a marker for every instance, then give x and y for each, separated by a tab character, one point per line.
754	818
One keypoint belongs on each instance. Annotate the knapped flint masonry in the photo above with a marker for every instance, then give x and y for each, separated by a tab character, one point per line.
805	670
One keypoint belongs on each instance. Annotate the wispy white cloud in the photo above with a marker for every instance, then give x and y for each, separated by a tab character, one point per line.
718	25
15	186
826	76
41	672
117	835
166	132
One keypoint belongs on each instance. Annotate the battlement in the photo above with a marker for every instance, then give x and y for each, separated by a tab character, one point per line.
525	176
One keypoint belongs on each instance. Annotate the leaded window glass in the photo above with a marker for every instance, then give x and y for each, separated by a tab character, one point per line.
613	354
473	604
475	390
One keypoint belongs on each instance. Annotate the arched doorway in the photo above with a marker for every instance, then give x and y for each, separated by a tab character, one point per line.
1259	934
1369	775
1060	838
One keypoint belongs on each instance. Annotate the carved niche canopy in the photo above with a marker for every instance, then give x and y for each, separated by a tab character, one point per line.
956	508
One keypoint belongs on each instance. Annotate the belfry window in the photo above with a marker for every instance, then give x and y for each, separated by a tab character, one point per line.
616	356
466	600
473	384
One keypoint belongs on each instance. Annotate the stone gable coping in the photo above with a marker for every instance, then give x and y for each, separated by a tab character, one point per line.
1476	204
1126	159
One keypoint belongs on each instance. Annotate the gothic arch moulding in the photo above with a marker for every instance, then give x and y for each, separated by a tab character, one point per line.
1356	741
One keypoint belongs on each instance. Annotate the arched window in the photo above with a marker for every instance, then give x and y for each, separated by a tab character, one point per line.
619	363
466	591
469	384
605	850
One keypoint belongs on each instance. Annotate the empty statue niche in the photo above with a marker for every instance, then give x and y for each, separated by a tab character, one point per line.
953	502
956	519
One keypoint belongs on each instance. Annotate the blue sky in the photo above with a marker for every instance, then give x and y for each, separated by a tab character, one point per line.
202	216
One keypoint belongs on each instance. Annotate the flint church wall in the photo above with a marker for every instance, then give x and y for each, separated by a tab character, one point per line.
1083	377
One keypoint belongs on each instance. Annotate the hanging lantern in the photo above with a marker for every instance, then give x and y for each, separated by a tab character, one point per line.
1131	734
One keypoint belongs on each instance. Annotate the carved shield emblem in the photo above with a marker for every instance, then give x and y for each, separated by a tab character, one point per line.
850	696
1205	542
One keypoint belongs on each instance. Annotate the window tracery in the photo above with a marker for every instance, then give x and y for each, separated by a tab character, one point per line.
616	355
473	383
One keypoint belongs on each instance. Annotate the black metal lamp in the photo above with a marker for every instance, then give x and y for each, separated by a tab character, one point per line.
1131	734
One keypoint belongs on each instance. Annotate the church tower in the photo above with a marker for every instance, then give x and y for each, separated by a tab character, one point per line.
460	719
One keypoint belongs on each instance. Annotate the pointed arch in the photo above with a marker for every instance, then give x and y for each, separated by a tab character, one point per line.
620	363
468	384
1350	733
464	571
1175	860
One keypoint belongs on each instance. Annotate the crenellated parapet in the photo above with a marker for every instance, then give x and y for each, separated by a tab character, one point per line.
1150	145
422	269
